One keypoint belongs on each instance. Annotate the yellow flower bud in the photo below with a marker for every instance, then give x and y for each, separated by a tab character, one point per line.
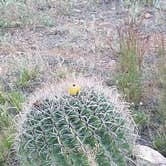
74	89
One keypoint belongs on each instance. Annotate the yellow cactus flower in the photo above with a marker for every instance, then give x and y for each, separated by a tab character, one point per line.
74	89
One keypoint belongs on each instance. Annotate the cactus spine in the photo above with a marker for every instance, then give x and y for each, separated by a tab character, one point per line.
84	130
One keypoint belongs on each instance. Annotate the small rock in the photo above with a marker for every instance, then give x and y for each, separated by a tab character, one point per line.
148	15
109	82
146	156
77	10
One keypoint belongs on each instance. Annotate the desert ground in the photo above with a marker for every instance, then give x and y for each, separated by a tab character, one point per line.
119	43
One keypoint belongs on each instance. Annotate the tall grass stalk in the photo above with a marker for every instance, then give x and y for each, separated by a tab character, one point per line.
131	58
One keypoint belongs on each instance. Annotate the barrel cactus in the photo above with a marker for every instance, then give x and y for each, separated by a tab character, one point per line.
91	128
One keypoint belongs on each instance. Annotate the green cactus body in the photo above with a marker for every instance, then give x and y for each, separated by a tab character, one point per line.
82	130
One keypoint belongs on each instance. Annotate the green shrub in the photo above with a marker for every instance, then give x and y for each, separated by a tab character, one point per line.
6	144
26	76
5	118
159	143
87	129
2	98
140	118
10	104
130	60
7	131
162	78
12	13
15	99
11	100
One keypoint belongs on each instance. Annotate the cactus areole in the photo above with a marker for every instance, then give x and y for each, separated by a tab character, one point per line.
82	130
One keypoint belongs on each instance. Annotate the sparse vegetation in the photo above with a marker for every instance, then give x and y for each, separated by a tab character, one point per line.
119	42
160	140
130	57
10	105
26	76
162	70
7	131
18	13
159	143
141	119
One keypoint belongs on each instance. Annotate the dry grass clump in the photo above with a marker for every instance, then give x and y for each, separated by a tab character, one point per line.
131	60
